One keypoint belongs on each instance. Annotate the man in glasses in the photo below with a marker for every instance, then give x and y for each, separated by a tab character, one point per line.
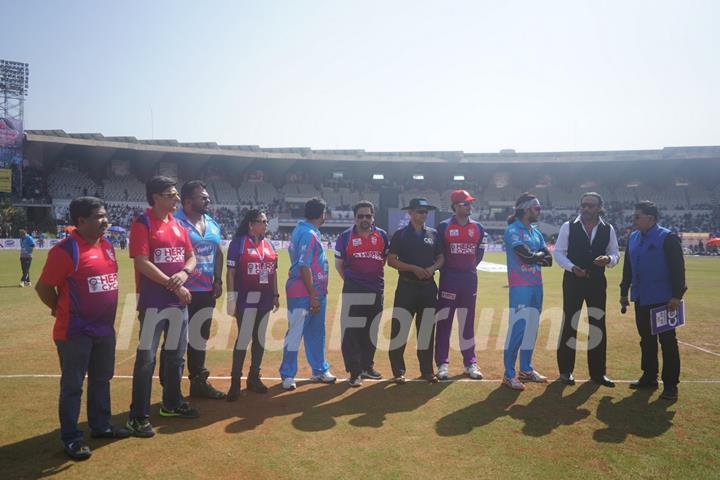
360	254
526	254
164	260
654	272
585	246
416	252
205	283
462	239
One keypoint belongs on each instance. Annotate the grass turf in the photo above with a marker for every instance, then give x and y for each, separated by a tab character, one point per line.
458	429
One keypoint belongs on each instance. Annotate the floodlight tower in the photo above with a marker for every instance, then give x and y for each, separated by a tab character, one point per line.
13	89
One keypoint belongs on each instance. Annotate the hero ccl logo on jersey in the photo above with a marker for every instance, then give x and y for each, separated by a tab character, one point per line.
169	255
103	283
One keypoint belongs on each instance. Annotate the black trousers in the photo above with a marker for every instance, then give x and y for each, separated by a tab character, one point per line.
199	315
413	300
25	266
359	342
250	323
649	349
593	293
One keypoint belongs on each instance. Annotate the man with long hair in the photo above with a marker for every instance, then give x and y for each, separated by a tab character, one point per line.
526	254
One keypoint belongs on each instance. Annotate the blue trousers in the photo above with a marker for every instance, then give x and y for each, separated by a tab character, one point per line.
524	321
309	328
173	324
78	356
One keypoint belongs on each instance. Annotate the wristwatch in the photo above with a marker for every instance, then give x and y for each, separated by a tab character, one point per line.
187	270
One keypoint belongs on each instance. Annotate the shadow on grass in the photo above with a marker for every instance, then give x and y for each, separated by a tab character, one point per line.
633	415
483	413
370	405
551	409
43	456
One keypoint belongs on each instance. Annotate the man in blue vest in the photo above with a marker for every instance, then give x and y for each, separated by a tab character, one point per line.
654	271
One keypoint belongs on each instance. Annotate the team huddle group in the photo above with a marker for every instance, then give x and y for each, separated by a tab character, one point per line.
179	276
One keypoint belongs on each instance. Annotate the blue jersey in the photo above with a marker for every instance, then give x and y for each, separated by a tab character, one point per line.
206	247
521	274
306	250
27	244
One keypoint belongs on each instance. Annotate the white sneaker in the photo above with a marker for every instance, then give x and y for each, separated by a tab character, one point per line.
289	383
473	372
513	383
22	284
442	373
533	376
325	377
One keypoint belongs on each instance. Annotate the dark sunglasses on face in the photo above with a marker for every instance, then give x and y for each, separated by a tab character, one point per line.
464	204
364	217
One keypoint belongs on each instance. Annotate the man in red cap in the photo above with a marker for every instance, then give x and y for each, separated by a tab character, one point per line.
462	240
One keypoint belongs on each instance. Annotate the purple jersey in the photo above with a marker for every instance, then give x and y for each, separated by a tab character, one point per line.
462	245
364	258
255	265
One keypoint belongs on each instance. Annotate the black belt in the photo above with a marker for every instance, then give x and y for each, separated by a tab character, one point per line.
412	280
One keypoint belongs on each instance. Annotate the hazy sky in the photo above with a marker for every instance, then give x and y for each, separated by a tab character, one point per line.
477	76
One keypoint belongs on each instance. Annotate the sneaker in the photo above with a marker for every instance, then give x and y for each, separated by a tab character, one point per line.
430	378
473	372
371	374
77	450
400	380
533	376
443	372
355	381
200	389
669	393
289	383
140	427
183	411
22	284
325	377
112	432
513	383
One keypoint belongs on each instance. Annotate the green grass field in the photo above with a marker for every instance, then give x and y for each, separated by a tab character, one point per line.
453	429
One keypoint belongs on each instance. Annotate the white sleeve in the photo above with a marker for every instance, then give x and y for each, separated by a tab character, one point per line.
612	250
561	246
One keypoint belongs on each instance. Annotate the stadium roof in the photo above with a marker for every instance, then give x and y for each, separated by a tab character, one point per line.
111	145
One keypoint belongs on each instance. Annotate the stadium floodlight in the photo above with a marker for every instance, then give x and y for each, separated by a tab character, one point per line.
378	176
418	176
14	78
459	178
337	175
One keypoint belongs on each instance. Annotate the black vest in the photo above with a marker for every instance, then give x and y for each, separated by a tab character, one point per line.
582	253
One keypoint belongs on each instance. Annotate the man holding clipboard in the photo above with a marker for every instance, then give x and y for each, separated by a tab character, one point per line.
654	271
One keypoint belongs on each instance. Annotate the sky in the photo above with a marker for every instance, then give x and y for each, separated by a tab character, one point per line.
387	75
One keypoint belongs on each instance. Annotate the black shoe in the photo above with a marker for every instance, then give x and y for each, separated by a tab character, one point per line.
567	378
201	388
644	383
183	411
399	380
430	378
355	381
669	393
112	432
234	392
254	384
140	427
371	374
77	450
604	381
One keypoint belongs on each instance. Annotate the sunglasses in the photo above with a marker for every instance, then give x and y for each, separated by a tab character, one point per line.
364	217
589	205
464	204
264	222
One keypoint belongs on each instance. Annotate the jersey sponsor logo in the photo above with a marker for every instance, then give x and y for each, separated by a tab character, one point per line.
454	232
471	232
231	263
169	255
103	283
373	240
462	248
372	255
429	240
448	295
356	242
255	268
524	267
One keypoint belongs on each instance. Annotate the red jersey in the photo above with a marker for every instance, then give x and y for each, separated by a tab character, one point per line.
166	244
87	282
255	267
